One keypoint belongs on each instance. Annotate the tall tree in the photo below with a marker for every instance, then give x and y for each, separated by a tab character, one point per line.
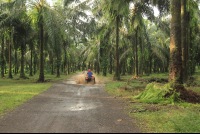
183	39
11	10
136	55
40	25
115	10
175	62
2	53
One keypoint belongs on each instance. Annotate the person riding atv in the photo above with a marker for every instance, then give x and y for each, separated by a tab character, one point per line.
90	77
89	73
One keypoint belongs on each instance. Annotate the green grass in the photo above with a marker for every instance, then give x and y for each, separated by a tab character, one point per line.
109	77
14	92
169	117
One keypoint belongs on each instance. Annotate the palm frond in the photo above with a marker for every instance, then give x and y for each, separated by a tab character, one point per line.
160	55
123	55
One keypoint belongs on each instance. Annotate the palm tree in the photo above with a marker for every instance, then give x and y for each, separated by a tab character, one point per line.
175	62
10	10
183	38
115	10
2	53
191	34
19	38
46	22
40	7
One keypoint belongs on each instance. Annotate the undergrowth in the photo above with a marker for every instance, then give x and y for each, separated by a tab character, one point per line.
155	93
179	117
152	111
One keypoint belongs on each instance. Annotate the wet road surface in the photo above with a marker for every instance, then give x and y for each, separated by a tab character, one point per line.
69	108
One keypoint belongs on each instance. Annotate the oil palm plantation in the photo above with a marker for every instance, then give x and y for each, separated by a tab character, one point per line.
21	35
52	22
9	11
114	11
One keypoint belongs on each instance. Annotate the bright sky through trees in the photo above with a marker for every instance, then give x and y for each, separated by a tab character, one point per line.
156	12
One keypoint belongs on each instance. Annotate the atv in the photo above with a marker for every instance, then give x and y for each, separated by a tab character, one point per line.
88	79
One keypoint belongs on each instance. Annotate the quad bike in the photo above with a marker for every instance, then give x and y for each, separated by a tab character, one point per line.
88	79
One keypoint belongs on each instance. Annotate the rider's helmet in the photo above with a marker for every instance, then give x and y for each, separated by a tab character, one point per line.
89	70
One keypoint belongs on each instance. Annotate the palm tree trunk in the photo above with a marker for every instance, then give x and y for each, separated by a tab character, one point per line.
92	65
58	61
183	38
68	72
26	67
58	68
88	65
51	61
74	67
110	70
123	67
154	63
31	74
117	75
136	56
64	67
187	42
190	56
61	67
22	75
150	63
34	61
41	64
83	69
142	51
71	67
5	68
9	52
16	62
175	62
65	60
97	67
2	57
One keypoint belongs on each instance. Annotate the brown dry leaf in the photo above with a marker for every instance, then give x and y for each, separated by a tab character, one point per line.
120	120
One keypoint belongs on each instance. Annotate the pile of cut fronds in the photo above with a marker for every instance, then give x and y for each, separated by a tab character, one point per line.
155	94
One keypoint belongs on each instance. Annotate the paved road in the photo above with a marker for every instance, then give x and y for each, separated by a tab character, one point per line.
69	108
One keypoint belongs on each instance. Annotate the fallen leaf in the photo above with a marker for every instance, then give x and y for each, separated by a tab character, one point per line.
120	120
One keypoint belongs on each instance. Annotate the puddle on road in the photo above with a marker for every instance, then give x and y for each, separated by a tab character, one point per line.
85	106
80	107
70	82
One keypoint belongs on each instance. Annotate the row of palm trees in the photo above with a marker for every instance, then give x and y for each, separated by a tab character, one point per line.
118	38
129	26
46	30
145	43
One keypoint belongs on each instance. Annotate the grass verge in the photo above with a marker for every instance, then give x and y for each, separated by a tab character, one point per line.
14	92
151	115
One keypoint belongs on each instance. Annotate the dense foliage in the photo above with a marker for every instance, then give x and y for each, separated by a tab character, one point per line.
120	36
